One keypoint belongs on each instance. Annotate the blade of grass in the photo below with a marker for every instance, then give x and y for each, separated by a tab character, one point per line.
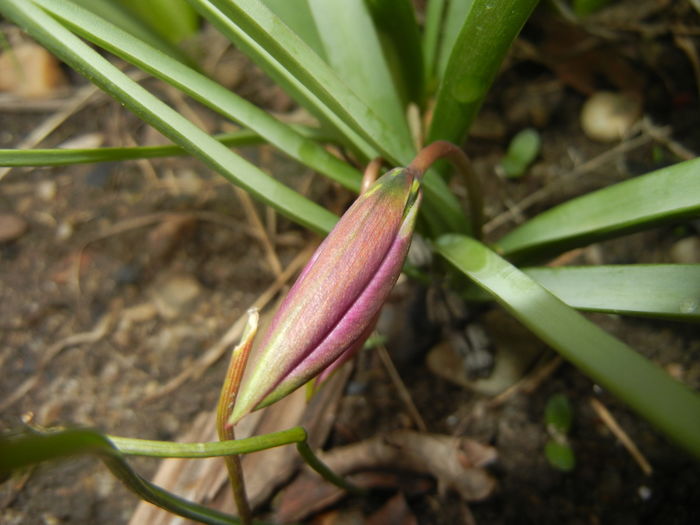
395	21
668	404
354	53
206	91
84	59
666	195
484	39
658	290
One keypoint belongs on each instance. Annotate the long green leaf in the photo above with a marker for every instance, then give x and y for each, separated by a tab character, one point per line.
204	90
67	157
30	448
431	39
173	20
484	39
657	290
125	20
666	195
297	15
178	129
646	388
455	15
268	31
401	40
354	52
279	73
440	203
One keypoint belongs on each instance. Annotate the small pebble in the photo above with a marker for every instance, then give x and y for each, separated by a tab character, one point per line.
174	295
12	227
686	251
607	116
46	190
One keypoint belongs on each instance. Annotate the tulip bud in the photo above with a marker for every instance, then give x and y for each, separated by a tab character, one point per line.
331	309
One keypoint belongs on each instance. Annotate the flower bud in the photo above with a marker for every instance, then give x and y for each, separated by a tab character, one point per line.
331	309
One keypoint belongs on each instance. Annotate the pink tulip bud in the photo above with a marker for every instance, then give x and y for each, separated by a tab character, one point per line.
331	309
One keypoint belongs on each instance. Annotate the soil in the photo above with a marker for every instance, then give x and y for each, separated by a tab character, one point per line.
128	272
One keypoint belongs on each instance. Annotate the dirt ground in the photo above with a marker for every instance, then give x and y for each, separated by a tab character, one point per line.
126	277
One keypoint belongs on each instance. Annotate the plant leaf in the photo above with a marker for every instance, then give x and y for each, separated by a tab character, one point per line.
657	290
431	39
646	388
125	20
208	92
80	56
297	15
67	157
666	195
483	41
401	40
173	20
269	32
353	51
282	76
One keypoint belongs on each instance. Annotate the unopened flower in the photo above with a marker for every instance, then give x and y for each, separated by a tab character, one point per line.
332	308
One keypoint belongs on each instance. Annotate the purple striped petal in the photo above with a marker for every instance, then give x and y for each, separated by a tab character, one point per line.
338	293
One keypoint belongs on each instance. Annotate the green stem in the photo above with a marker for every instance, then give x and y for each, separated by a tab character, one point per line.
326	473
169	449
229	391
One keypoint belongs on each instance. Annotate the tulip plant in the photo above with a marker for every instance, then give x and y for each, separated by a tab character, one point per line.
358	66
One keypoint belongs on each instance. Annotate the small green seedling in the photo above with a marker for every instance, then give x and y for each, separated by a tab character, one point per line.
522	151
558	416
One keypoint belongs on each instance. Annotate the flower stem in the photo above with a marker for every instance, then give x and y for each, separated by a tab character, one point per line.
229	390
442	149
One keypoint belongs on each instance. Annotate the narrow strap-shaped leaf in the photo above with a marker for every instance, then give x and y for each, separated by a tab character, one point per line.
173	20
451	23
128	22
70	156
666	195
268	31
431	39
282	76
80	56
646	388
656	290
440	203
354	52
401	39
297	15
203	89
484	39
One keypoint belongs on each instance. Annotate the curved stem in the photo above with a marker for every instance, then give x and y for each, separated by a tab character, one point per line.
442	149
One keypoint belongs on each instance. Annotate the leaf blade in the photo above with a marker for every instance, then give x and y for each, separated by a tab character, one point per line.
665	402
659	197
